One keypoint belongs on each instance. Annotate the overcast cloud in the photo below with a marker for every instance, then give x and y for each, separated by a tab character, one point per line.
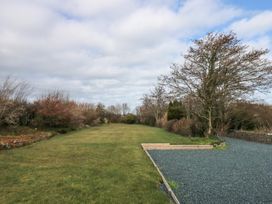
113	50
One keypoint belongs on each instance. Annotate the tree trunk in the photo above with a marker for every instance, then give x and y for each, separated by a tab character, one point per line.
210	125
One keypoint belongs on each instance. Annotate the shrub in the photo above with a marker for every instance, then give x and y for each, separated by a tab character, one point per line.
147	120
90	115
101	111
77	118
250	116
169	125
183	127
10	112
176	110
198	128
113	118
27	115
13	96
56	110
129	119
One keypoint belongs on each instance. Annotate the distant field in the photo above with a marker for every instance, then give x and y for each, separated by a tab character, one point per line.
97	165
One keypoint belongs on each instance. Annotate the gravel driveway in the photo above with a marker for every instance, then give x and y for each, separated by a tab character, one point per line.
240	174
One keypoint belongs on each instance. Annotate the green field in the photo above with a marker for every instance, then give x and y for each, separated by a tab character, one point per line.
97	165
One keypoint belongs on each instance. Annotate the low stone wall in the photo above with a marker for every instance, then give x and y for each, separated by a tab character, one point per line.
252	136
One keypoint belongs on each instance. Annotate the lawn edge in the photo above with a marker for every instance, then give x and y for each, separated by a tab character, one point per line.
169	190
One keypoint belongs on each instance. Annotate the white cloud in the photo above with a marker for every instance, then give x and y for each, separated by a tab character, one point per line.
263	42
23	17
147	24
258	24
107	50
198	14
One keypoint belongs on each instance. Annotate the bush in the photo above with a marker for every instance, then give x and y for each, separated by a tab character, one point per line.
198	128
13	95
101	111
10	112
129	119
148	120
56	110
169	125
183	127
250	116
113	118
28	115
90	115
176	110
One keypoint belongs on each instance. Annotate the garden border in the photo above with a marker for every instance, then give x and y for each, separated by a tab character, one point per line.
167	146
21	141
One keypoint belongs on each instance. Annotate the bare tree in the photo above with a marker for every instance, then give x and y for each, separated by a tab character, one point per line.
118	108
159	102
145	112
13	96
154	105
115	109
125	109
219	69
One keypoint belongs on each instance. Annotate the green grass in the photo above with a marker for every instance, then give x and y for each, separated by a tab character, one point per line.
174	185
97	165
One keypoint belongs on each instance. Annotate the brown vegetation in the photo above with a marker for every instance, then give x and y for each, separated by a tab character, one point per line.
11	141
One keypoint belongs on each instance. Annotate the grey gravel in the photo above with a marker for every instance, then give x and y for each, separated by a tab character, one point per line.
242	173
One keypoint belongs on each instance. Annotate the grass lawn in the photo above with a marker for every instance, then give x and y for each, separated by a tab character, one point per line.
97	165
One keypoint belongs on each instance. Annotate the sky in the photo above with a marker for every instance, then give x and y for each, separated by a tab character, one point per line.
112	51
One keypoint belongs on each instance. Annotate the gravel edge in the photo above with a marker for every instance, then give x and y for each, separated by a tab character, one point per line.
169	190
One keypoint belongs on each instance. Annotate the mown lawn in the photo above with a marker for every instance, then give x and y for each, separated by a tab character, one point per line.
97	165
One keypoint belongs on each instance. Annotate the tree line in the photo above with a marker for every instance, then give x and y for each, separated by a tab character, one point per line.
218	75
54	109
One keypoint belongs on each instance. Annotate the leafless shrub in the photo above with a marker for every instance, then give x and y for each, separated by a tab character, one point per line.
13	97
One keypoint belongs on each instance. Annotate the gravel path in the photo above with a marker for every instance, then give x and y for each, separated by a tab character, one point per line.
240	174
